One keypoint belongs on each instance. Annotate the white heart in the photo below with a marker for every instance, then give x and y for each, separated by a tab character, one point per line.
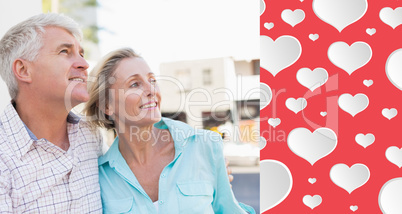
313	36
349	58
368	83
323	113
365	140
340	13
371	31
351	178
269	25
293	17
312	79
312	146
312	201
312	180
354	207
353	104
394	68
262	143
296	105
391	17
274	122
394	155
275	183
390	196
265	95
262	7
389	113
301	0
279	54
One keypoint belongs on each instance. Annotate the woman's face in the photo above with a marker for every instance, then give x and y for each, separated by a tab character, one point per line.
134	95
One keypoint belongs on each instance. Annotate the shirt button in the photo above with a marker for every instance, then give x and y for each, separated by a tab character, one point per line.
161	202
163	175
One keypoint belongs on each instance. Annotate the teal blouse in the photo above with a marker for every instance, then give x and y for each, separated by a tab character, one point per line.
195	181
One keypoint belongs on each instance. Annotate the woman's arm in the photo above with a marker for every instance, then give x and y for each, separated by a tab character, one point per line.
224	199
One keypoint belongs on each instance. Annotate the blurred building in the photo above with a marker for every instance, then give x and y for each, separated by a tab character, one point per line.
221	94
8	18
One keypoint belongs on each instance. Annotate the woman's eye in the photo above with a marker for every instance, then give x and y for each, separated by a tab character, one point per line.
152	80
134	85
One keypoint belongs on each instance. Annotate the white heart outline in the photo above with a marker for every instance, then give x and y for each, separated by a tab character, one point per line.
314	10
269	94
274	73
308	70
387	154
386	68
381	192
262	10
287	11
342	164
346	94
290	186
386	9
349	46
305	129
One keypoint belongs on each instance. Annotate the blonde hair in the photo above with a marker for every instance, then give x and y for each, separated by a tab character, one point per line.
98	90
24	40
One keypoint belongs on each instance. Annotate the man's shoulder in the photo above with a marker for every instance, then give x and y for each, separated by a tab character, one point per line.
5	145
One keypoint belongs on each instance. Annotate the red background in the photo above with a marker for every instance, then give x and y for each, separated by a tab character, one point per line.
382	94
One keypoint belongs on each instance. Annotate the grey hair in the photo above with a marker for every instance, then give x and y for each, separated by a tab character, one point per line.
24	41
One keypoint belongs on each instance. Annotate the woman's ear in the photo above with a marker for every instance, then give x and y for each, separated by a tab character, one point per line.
21	71
109	110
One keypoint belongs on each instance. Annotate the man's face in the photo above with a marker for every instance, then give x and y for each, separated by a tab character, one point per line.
59	74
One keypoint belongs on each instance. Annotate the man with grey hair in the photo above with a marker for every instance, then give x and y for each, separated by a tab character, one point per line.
48	156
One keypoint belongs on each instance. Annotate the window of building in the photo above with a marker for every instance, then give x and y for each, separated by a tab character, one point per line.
256	67
207	76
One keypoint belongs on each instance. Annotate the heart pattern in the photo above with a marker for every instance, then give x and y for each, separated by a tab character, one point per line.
389	113
274	122
312	201
391	17
353	104
312	79
279	54
394	155
336	14
365	140
312	146
293	17
349	178
296	105
342	45
349	58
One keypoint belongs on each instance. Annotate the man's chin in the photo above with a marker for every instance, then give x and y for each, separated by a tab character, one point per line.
76	100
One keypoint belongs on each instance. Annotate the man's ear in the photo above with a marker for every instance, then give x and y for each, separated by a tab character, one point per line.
21	71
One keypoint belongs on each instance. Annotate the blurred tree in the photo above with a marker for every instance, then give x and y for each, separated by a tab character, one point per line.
82	11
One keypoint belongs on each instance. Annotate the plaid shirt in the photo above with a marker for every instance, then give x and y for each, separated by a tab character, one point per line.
38	177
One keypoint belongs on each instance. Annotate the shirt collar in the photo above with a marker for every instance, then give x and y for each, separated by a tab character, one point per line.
179	131
20	136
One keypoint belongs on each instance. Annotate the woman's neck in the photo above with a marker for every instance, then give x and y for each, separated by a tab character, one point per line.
138	144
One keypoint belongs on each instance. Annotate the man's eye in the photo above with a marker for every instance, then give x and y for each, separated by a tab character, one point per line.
64	51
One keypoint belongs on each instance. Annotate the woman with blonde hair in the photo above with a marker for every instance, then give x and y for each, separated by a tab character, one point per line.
155	164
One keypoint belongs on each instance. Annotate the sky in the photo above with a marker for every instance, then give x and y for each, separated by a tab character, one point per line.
175	30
